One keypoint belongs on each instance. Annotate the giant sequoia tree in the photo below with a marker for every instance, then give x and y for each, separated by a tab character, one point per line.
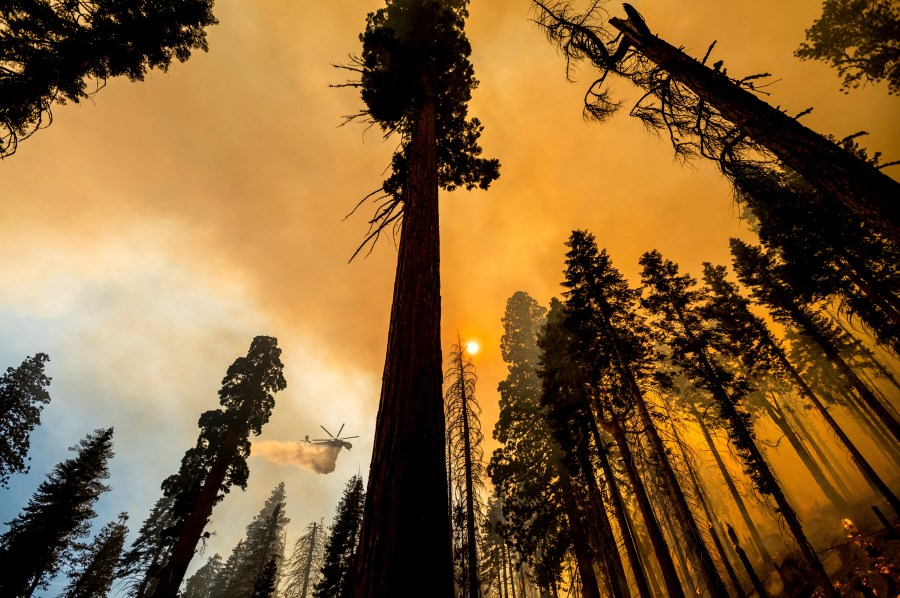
706	112
60	512
416	80
23	394
58	52
219	459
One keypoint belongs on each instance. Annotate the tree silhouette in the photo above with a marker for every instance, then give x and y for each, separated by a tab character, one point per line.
95	569
339	567
465	459
612	337
58	52
200	584
263	542
305	563
149	550
219	459
42	537
416	80
859	39
672	300
706	112
23	394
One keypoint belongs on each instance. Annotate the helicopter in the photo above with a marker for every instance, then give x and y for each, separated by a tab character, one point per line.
335	441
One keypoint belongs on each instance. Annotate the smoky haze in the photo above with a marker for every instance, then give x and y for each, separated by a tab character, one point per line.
317	458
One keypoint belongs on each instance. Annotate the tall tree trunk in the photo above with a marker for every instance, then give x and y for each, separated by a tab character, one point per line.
863	189
651	523
819	446
810	330
606	541
732	488
579	541
512	571
171	574
700	494
861	462
869	422
692	535
777	415
407	485
307	570
631	551
744	435
474	585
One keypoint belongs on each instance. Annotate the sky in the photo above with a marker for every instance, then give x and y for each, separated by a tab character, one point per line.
154	230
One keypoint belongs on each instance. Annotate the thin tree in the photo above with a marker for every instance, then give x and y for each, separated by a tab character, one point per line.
670	297
859	39
761	352
706	112
339	566
760	271
42	537
58	52
23	394
267	582
219	460
465	455
302	569
95	568
415	80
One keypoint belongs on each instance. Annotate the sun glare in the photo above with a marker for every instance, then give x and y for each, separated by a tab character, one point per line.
472	347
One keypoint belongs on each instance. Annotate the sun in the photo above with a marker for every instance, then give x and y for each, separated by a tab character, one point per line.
472	347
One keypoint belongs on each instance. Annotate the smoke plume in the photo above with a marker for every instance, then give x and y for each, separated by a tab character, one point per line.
314	457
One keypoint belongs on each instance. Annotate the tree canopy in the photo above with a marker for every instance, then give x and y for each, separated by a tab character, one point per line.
50	51
23	394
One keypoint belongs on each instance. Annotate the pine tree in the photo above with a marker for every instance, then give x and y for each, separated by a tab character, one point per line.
415	80
465	459
219	459
201	583
41	538
97	565
265	586
303	569
263	542
671	298
23	394
760	272
339	568
708	113
51	50
752	342
602	317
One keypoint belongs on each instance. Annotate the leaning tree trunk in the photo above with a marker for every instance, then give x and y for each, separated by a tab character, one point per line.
172	573
744	435
693	537
651	523
407	490
776	414
863	189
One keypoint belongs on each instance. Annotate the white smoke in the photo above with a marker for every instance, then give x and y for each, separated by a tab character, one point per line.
319	458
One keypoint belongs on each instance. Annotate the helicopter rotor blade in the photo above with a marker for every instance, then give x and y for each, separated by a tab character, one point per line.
349	437
327	432
341	430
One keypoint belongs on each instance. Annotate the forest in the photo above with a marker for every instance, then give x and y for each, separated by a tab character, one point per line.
642	337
